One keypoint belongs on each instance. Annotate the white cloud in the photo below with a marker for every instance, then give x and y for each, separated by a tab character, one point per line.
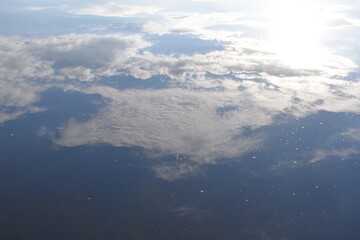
177	120
35	8
17	98
291	35
113	9
343	154
319	93
87	50
25	62
174	171
171	121
196	23
204	118
17	62
205	125
352	133
13	114
79	73
87	57
18	93
216	97
81	56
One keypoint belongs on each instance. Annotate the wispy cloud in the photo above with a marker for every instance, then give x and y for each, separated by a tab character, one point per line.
114	9
6	115
39	8
352	133
177	170
342	154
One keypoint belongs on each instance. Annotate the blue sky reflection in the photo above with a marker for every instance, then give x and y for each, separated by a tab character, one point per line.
183	93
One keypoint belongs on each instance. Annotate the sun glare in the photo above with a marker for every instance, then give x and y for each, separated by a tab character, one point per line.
295	32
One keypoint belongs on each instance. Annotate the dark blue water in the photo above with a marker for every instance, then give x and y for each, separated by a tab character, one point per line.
105	192
136	126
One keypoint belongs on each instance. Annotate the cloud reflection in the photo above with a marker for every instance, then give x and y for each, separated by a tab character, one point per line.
215	102
170	121
113	9
342	154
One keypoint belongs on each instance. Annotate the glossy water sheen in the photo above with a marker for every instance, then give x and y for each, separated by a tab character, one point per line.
182	120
